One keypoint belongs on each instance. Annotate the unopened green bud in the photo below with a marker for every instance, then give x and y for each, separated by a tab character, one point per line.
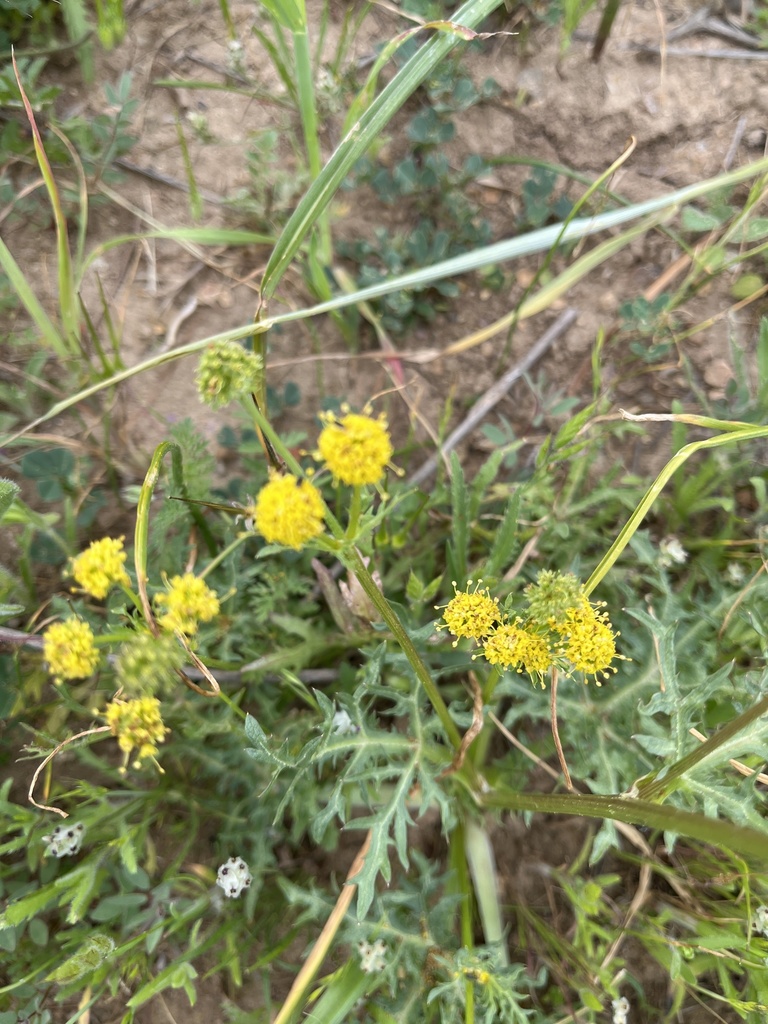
552	596
148	664
225	372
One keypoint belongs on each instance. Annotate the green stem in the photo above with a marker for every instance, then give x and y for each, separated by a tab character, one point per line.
459	863
354	513
232	546
659	789
294	467
132	596
479	749
741	839
141	535
352	560
650	496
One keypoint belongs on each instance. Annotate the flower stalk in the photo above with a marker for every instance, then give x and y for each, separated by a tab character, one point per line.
353	561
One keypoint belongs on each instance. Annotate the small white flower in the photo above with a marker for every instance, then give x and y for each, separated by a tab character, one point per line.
372	956
342	724
620	1010
65	840
236	56
234	876
760	922
672	552
199	123
735	574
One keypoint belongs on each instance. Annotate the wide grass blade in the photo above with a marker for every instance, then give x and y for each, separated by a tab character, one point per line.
360	137
67	296
44	324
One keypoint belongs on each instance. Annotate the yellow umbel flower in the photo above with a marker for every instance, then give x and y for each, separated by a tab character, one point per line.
189	602
356	448
69	650
100	567
289	512
589	642
471	614
511	645
138	725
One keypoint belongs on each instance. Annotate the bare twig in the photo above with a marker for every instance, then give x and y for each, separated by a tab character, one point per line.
740	767
495	393
184	313
203	669
730	156
687	51
50	757
165	179
528	549
472	732
556	732
522	747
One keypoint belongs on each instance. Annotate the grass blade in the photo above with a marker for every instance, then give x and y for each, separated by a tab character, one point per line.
360	137
67	297
29	300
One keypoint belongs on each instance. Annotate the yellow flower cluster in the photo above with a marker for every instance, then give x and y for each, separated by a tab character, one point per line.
289	511
356	448
138	725
512	645
189	602
100	567
566	631
471	614
589	640
69	650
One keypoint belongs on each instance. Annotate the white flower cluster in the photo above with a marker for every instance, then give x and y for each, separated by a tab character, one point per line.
372	956
620	1010
234	876
65	840
760	921
236	56
343	724
672	552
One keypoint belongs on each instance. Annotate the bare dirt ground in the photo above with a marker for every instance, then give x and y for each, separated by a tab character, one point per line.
691	116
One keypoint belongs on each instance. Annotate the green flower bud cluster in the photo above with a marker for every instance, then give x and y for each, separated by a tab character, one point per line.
226	372
148	664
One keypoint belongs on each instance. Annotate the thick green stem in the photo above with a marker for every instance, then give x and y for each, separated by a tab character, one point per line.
142	509
354	513
459	864
352	559
742	840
